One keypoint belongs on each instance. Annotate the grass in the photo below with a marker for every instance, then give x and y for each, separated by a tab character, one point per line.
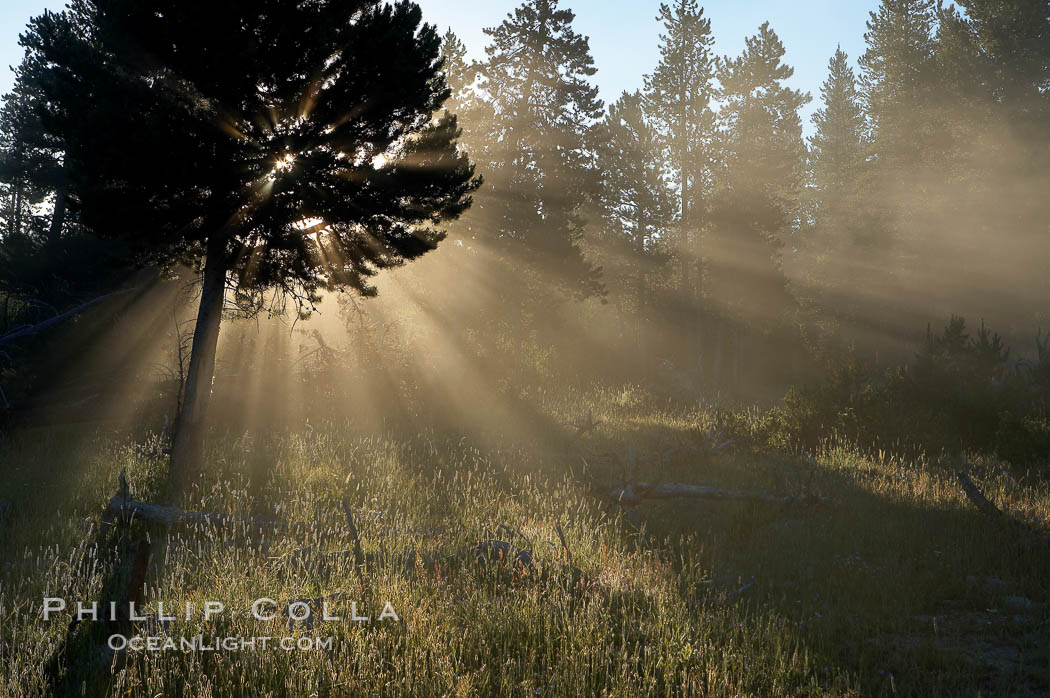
896	587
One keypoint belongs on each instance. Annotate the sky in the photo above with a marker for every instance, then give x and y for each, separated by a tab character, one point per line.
624	34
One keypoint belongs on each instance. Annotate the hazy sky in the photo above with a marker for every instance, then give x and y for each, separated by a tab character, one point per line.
623	33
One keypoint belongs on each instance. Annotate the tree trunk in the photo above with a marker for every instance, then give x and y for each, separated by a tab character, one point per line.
716	367
738	348
188	449
683	234
698	287
58	217
16	214
640	327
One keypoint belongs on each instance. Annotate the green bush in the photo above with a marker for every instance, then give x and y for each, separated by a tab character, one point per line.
961	393
1023	440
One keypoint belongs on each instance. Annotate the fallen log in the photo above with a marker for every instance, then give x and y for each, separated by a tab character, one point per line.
134	510
122	506
974	494
634	493
1036	538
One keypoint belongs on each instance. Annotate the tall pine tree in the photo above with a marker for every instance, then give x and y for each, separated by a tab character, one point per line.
1013	38
837	148
678	98
831	246
460	73
273	145
993	70
537	148
44	254
895	73
637	205
757	203
907	138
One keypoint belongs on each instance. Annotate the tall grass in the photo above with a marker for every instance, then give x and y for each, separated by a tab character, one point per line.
896	587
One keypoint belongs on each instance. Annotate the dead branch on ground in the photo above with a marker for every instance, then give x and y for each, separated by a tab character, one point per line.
987	507
634	493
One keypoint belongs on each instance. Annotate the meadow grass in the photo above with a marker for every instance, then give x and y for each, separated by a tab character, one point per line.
895	586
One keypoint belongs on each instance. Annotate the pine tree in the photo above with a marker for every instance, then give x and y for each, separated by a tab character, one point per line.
30	165
473	112
275	145
678	98
636	202
637	207
907	138
895	74
756	205
460	73
44	255
993	64
830	247
537	148
837	147
14	165
993	69
1013	38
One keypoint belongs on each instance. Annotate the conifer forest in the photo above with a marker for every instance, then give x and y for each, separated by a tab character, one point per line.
347	353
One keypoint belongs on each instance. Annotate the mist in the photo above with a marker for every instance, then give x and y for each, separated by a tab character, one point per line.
706	251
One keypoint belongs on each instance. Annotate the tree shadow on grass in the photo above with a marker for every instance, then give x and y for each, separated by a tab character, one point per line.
940	597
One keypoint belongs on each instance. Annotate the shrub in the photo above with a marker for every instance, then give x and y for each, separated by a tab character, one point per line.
961	393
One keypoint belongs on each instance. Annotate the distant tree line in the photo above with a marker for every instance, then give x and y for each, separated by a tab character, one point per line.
721	234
